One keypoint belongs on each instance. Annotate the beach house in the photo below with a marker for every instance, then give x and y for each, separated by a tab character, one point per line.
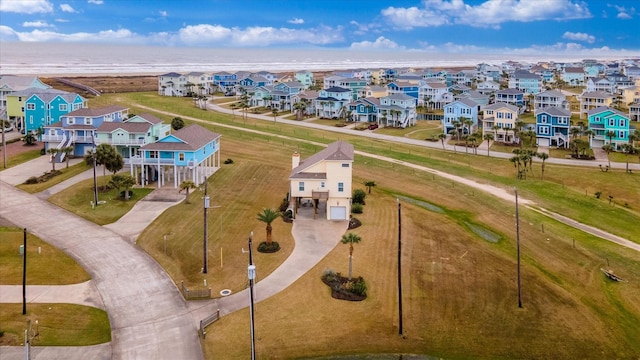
500	119
128	135
323	181
403	87
526	82
191	153
459	110
45	108
172	84
398	110
590	100
332	103
552	126
10	84
364	109
550	98
511	96
610	126
304	77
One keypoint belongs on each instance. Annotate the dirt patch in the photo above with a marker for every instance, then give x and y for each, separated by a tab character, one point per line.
107	84
19	147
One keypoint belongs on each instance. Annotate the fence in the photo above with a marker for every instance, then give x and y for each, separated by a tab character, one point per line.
195	294
208	321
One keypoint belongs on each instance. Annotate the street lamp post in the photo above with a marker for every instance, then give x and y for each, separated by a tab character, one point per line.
24	272
251	272
518	249
399	268
95	180
206	228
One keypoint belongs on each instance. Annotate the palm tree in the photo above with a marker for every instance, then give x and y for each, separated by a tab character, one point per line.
268	216
187	185
53	152
543	156
608	148
369	184
454	132
274	112
350	239
575	132
67	151
489	138
610	134
442	136
627	149
517	131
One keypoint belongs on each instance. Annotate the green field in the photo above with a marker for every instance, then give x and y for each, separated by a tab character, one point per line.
460	298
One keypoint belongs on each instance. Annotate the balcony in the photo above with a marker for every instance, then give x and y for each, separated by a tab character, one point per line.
138	142
52	138
83	139
138	160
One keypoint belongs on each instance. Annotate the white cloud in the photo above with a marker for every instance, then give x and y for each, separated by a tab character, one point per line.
296	21
164	13
490	13
257	36
61	20
362	29
7	34
578	36
26	6
624	15
96	2
380	43
37	24
623	12
67	8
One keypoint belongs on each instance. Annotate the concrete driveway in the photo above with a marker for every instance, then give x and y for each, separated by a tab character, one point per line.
149	318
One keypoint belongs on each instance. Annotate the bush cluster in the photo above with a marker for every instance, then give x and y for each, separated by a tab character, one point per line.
268	248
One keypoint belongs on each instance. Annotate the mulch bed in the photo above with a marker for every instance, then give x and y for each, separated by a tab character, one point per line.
338	291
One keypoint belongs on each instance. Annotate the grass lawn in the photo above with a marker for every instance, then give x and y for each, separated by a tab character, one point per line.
58	325
242	190
527	118
77	199
328	122
23	157
424	129
459	288
67	173
39	263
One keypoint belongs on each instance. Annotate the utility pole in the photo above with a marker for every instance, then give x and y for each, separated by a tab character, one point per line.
95	180
206	228
518	249
399	268
251	272
24	272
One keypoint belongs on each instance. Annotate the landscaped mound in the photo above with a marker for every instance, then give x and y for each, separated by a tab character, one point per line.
343	288
43	178
268	248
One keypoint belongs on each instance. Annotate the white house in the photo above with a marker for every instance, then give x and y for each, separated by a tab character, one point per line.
324	181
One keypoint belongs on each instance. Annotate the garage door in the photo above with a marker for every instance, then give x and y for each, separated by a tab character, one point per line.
543	142
338	213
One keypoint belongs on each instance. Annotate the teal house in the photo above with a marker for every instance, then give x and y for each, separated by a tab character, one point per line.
129	135
42	109
610	126
191	153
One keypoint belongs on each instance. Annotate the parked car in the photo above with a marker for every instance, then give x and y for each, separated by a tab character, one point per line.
373	126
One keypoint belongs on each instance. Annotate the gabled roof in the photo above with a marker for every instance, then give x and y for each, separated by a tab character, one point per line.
574	70
464	101
596	95
48	97
130	127
500	105
399	96
337	151
602	109
554	111
509	91
191	138
171	74
17	83
32	90
95	112
555	93
337	89
525	75
150	118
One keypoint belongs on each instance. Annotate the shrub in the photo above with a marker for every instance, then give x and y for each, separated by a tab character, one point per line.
358	196
283	205
356	208
354	223
32	180
598	194
42	151
228	161
268	248
359	287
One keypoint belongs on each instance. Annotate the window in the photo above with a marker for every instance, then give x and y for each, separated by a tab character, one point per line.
543	119
181	156
153	154
63	107
508	115
612	122
301	186
563	121
500	115
31	106
543	130
345	165
340	187
622	123
322	184
71	121
87	121
622	134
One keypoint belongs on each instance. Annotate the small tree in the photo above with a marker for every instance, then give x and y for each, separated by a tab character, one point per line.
67	151
30	139
369	184
187	185
358	196
268	216
442	136
350	239
608	149
114	163
489	138
543	156
177	123
53	152
274	111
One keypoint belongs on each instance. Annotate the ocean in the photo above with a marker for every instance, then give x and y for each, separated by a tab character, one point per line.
48	59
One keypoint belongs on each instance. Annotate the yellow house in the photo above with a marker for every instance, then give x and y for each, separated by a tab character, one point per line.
590	100
323	181
377	77
630	94
500	120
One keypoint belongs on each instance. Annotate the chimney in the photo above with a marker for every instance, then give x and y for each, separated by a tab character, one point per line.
295	160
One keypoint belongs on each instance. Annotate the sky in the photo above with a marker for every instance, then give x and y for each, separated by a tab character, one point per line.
445	26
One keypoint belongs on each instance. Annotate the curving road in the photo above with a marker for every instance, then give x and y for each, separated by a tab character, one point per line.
149	318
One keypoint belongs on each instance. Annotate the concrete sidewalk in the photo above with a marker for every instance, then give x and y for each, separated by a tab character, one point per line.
20	173
82	294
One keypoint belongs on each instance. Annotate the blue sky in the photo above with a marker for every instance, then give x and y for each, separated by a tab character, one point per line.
455	26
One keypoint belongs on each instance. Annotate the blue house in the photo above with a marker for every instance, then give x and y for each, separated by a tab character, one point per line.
191	153
42	109
225	81
526	82
404	87
464	108
510	96
77	129
552	126
610	127
364	110
331	102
